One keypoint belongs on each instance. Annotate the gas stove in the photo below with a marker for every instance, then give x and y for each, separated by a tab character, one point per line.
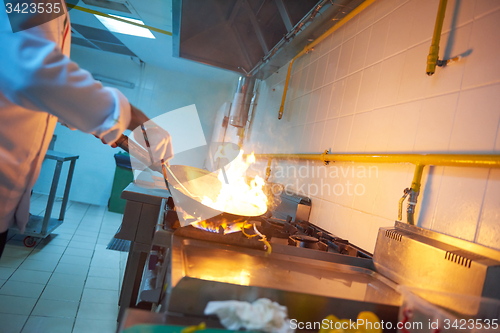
277	230
309	270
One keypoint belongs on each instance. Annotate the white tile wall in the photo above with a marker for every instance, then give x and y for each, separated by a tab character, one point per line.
364	89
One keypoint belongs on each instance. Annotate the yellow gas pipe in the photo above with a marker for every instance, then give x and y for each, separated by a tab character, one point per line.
460	160
432	58
309	47
420	161
414	191
268	170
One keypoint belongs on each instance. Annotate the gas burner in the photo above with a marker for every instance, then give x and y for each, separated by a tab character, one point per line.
307	242
279	231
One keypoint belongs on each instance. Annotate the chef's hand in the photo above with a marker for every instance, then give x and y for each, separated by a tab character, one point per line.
159	144
137	118
159	140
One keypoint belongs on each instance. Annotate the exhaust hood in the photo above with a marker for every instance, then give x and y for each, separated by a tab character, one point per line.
251	37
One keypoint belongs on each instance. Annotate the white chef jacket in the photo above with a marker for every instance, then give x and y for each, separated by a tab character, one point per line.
39	84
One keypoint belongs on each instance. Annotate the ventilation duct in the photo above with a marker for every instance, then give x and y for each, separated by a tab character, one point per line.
251	37
242	101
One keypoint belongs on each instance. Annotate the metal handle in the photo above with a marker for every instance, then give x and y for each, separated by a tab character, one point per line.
138	152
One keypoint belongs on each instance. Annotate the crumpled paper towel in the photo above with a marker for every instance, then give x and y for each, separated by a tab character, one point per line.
263	315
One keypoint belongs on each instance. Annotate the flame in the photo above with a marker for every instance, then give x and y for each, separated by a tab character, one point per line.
215	226
186	217
236	195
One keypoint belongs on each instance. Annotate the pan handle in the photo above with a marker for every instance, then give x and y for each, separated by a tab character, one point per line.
139	153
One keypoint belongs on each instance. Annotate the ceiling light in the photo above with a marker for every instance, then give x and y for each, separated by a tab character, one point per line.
125	28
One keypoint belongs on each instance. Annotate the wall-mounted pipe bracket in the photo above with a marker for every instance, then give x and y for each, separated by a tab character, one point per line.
323	158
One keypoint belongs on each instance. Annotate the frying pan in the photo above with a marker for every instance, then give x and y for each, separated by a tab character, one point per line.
188	186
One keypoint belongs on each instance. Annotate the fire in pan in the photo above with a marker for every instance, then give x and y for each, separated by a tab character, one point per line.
200	195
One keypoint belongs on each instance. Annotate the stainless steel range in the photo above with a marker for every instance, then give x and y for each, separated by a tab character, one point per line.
309	270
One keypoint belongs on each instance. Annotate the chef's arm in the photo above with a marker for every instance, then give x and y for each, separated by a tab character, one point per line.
36	75
137	118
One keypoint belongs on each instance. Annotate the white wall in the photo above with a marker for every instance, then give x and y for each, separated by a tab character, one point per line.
157	91
364	90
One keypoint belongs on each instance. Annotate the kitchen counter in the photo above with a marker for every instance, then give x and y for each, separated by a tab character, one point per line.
134	317
138	225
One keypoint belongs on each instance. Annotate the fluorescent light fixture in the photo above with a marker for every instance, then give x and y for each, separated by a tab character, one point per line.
125	28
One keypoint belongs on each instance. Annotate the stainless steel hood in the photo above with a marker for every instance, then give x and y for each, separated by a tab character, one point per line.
251	37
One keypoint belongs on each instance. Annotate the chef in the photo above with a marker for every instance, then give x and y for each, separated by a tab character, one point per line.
40	85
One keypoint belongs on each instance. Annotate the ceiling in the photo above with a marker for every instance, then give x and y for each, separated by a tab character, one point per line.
158	51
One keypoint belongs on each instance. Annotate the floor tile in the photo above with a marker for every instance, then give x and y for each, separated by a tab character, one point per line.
36	324
47	256
107	235
55	308
68	232
62	293
104	272
67	280
95	325
75	260
39	265
85	233
103	241
101	247
74	214
16	305
49	248
64	235
11	323
102	262
84	239
100	295
30	276
97	311
81	245
88	218
107	255
55	241
6	272
72	269
101	283
11	262
22	289
87	253
16	251
17	244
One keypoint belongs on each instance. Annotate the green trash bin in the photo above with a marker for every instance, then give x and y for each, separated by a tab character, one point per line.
123	177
